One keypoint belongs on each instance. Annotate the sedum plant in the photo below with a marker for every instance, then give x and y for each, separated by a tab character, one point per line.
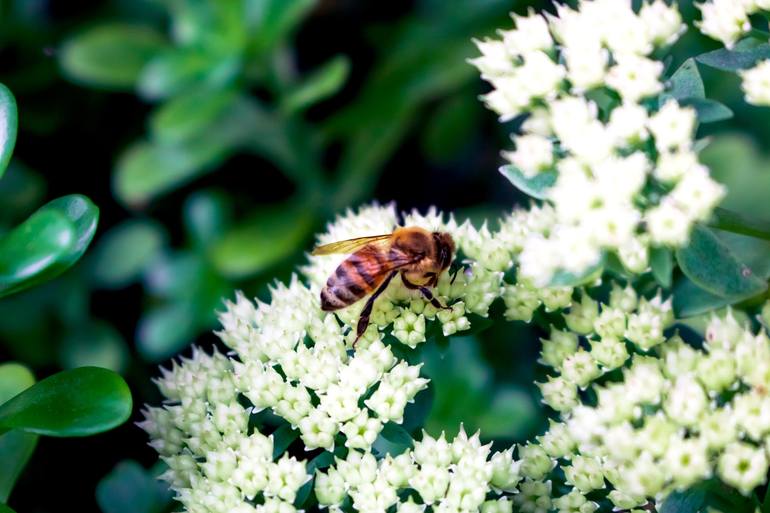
650	299
78	402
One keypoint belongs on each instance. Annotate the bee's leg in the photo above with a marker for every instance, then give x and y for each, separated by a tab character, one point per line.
408	284
363	319
427	294
454	275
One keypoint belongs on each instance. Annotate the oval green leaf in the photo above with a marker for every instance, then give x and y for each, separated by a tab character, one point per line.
9	118
14	379
110	56
736	59
77	402
16	448
269	236
190	114
207	216
129	488
97	344
662	263
29	254
537	186
686	82
321	84
148	170
124	252
84	216
714	267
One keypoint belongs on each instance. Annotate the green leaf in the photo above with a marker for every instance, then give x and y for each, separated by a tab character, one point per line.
712	266
9	120
270	235
47	243
78	402
277	19
736	162
110	56
182	69
393	440
30	253
510	411
96	344
562	278
688	501
321	84
686	82
4	508
16	448
123	253
662	265
736	59
537	186
708	111
189	115
165	330
148	170
129	488
14	379
207	216
320	462
84	216
282	439
734	222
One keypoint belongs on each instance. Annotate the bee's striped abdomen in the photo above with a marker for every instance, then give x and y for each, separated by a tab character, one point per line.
354	278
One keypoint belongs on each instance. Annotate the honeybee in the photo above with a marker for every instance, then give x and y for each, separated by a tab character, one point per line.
420	256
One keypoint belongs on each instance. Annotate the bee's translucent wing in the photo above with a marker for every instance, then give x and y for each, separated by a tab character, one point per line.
350	245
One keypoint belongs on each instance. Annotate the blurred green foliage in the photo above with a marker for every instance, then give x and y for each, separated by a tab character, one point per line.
218	135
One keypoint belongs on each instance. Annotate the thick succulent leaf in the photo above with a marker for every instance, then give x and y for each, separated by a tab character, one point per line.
148	170
735	59
321	84
77	402
8	126
124	252
662	263
265	239
562	278
207	216
276	19
29	254
129	488
110	56
686	82
47	243
84	216
714	267
537	186
190	114
14	379
96	343
16	448
708	111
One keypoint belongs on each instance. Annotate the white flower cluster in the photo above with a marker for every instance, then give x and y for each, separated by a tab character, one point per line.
728	21
627	175
679	416
460	475
293	360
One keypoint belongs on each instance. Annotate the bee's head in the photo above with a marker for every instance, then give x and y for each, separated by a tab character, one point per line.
445	248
